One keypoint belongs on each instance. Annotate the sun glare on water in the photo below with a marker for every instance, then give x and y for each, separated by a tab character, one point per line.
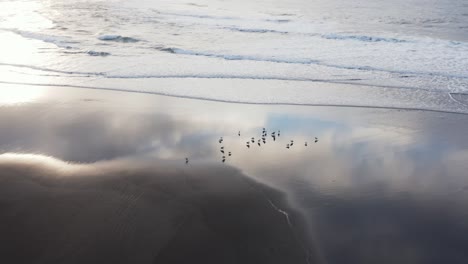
19	95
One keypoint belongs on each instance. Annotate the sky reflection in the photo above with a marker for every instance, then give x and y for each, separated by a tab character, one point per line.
379	186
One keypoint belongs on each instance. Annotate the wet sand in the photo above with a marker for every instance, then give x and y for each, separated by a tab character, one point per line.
100	177
138	211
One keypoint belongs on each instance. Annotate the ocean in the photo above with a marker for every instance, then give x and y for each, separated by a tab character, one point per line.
387	54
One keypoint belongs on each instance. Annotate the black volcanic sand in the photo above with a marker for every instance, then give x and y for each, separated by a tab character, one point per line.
90	176
134	211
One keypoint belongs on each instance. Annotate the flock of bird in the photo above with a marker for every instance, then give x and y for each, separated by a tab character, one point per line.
274	135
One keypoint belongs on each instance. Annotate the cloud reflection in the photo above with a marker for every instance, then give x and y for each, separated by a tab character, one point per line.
371	190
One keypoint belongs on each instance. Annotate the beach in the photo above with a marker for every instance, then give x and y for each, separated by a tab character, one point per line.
221	131
99	176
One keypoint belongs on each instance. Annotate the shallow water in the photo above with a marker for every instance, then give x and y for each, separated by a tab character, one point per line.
399	54
386	186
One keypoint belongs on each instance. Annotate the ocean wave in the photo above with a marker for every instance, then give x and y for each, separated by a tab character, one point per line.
219	76
118	38
279	20
44	69
362	38
98	53
238	57
308	61
200	16
255	30
59	41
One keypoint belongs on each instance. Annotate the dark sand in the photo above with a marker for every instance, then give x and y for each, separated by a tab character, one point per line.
133	211
100	177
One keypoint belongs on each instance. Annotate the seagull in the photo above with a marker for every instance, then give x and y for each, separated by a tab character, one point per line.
292	142
222	147
316	139
279	133
229	153
306	144
224	159
259	142
222	151
186	160
274	138
238	133
248	144
287	146
220	140
253	140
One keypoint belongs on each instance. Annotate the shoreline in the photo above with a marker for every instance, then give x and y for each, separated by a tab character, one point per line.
191	97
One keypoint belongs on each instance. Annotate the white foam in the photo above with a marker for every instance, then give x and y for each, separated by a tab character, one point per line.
59	41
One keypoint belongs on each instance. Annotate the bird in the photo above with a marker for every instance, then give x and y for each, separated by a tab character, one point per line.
186	160
238	133
259	142
274	138
224	158
220	140
229	153
305	144
279	133
292	142
287	146
222	151
222	147
316	139
248	144
253	140
264	142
